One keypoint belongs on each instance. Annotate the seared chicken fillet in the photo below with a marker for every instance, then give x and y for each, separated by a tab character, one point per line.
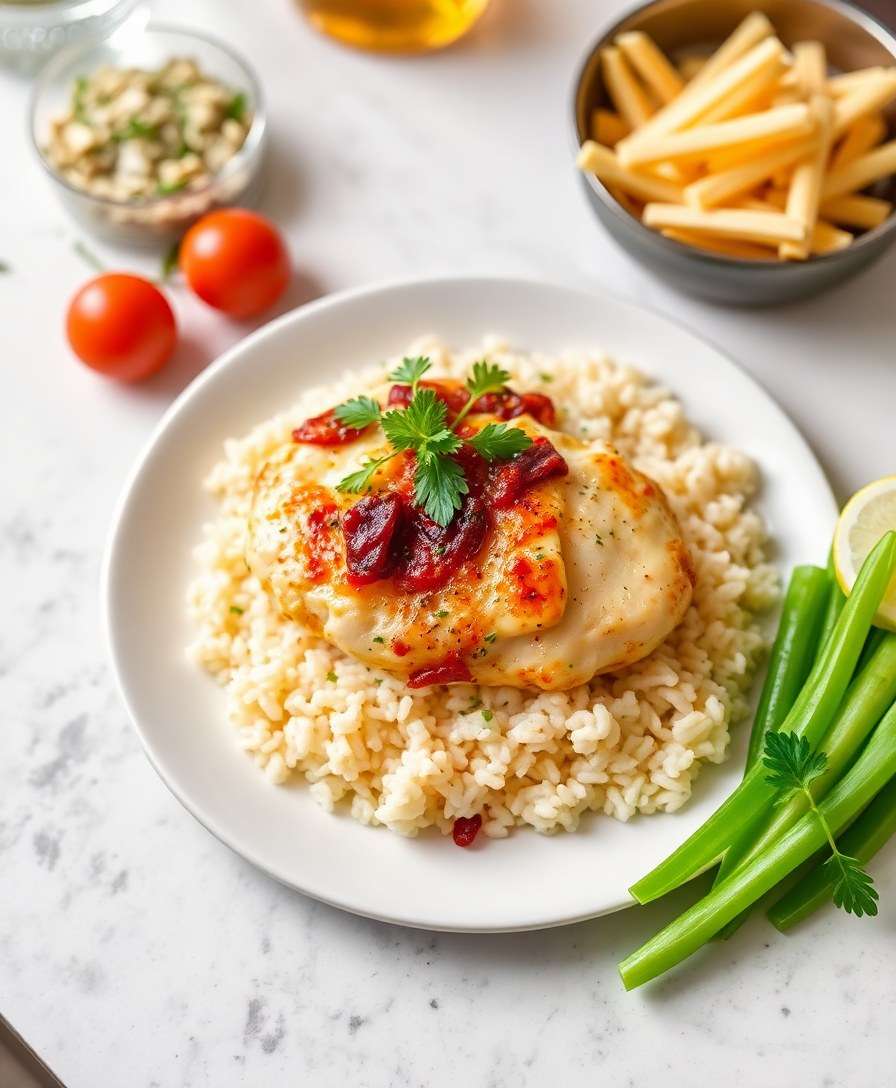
582	574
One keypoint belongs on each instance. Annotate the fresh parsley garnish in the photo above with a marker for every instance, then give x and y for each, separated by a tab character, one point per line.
236	108
487	714
332	677
359	481
439	485
410	370
423	428
485	378
166	188
135	129
794	766
498	442
78	107
359	413
491	636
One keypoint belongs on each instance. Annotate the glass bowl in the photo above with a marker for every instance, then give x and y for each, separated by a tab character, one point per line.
156	220
30	30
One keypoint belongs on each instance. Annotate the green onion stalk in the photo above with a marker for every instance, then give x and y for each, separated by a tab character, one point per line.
681	938
862	840
870	695
810	717
793	652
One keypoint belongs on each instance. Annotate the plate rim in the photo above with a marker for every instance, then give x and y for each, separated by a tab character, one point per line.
296	315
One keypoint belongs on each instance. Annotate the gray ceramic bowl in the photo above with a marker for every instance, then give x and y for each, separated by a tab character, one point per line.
853	39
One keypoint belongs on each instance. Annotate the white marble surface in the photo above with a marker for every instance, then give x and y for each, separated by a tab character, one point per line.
134	949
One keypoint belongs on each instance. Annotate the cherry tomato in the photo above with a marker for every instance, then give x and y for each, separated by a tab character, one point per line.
235	260
122	326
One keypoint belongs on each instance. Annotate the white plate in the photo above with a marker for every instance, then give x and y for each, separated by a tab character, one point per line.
527	880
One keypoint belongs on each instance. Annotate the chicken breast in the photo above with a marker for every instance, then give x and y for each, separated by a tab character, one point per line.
581	574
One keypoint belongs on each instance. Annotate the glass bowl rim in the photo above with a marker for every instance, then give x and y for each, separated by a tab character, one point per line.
249	149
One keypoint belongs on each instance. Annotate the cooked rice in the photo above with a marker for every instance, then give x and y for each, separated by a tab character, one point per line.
629	742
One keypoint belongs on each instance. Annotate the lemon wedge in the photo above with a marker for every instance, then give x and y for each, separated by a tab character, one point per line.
864	520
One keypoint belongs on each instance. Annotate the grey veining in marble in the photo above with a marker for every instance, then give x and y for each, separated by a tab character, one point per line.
135	950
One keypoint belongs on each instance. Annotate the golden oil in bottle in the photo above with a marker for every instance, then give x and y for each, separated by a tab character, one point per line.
400	26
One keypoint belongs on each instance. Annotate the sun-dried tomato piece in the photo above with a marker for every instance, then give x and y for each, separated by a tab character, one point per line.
452	670
369	528
536	463
465	829
454	396
540	407
326	430
506	404
431	553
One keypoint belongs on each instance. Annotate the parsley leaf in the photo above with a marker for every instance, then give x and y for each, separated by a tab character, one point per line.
359	481
135	129
439	486
794	766
853	889
791	760
498	442
236	108
486	378
421	426
359	412
410	370
166	188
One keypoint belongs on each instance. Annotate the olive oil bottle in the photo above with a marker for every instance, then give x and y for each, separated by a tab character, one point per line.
399	26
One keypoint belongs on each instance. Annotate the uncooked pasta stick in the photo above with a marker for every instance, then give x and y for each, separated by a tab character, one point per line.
810	67
601	161
739	223
804	194
856	210
607	127
651	64
694	144
749	33
695	101
629	97
867	168
864	133
717	188
745	251
866	98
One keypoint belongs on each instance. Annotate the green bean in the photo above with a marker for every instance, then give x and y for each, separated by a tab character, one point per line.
793	652
869	696
691	930
810	717
862	840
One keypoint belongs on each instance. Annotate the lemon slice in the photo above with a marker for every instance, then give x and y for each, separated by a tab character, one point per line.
864	520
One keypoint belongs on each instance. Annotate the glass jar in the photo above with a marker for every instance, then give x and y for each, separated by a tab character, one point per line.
397	26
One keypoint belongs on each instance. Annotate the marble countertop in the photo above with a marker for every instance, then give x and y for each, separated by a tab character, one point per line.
134	948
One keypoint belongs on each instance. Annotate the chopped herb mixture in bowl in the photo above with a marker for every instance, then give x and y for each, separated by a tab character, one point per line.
143	137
